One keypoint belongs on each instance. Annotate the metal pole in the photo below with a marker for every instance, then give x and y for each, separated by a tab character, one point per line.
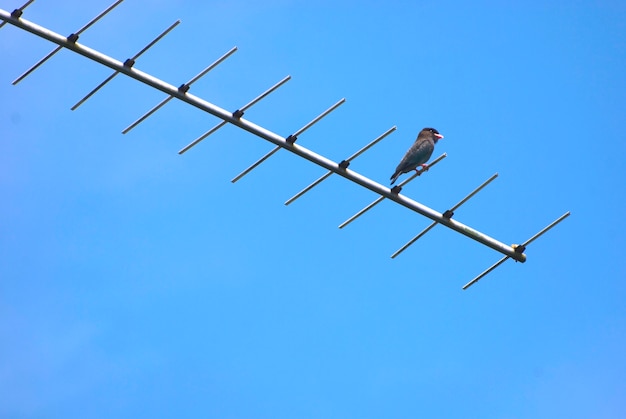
265	134
255	164
265	94
491	268
36	66
155	40
319	117
308	188
474	192
414	239
363	211
97	18
545	230
371	144
98	87
202	137
147	114
212	66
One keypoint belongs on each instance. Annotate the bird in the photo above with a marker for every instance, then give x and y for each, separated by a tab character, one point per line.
419	153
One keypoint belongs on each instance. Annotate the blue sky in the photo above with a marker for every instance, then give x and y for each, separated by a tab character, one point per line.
135	282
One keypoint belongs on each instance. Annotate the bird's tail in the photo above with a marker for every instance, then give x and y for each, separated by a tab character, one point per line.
394	177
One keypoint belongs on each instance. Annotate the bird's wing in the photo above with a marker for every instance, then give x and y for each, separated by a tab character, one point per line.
419	153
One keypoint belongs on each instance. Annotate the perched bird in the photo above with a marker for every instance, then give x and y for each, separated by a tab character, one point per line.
419	153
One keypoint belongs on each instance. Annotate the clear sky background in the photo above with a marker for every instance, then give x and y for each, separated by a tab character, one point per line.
138	283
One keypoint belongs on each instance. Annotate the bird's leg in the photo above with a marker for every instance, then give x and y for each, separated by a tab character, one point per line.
424	169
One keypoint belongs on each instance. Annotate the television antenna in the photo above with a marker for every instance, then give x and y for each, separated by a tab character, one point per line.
127	68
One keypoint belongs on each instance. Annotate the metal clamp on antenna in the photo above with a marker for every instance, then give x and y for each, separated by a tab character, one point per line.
395	190
72	39
184	88
17	13
291	139
518	248
448	214
343	165
128	63
237	114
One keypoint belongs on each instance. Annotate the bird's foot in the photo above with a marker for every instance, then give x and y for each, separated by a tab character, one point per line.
424	169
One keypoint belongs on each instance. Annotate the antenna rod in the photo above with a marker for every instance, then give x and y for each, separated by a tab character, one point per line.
255	164
147	114
319	117
545	229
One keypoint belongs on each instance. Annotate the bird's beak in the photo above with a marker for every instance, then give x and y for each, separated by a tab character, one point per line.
439	136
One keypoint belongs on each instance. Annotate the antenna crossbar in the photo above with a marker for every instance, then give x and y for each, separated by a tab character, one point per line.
277	140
